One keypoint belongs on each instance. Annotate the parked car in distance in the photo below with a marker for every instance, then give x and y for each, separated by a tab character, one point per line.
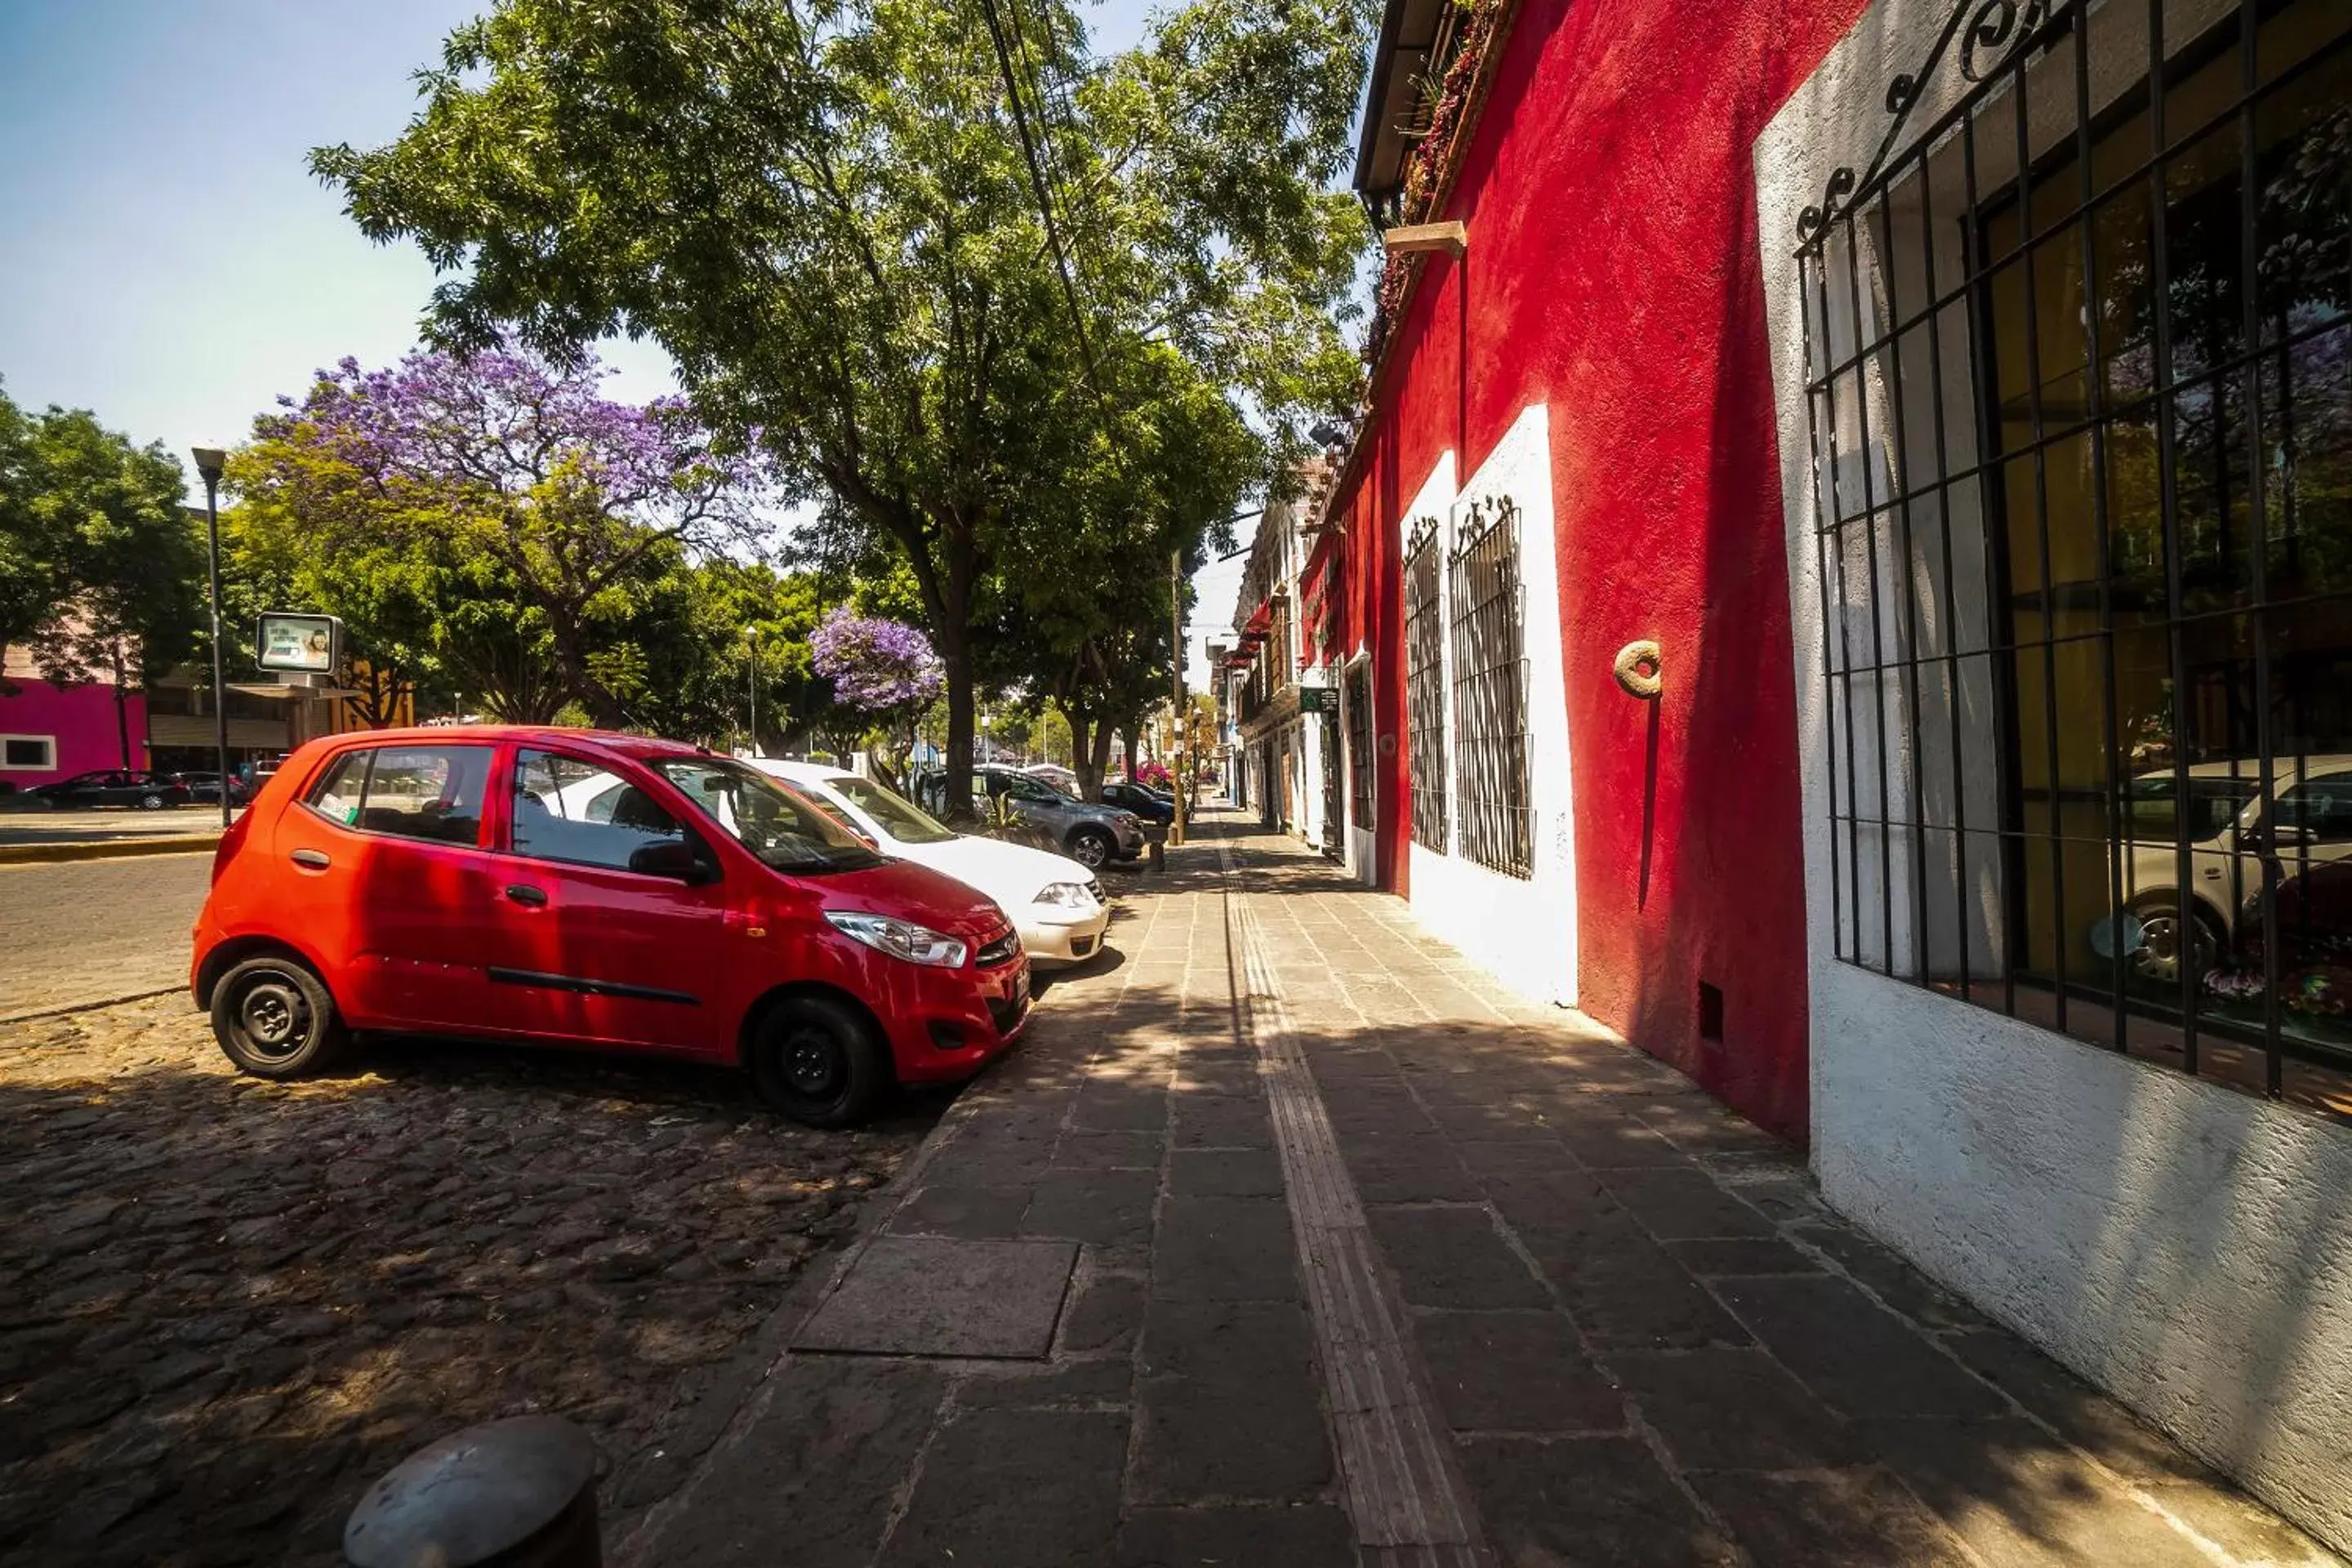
2305	823
1089	833
1146	803
1054	774
1055	902
564	885
115	786
204	788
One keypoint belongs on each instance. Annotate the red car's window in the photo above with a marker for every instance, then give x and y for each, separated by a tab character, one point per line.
569	809
409	792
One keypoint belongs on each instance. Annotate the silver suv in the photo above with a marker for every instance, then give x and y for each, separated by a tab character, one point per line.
1088	834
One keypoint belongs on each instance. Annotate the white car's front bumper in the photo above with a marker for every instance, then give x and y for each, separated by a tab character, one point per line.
1053	935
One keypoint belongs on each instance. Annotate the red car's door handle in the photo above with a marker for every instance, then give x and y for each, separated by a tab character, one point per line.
311	860
524	893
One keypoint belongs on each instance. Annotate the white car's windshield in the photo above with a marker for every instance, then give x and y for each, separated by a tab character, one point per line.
901	818
779	827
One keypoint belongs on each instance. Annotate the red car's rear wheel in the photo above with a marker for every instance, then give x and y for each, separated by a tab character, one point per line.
275	1019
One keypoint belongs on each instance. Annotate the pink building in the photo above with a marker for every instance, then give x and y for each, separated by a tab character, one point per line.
50	731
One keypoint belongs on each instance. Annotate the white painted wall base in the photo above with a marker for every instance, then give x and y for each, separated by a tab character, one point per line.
2183	1246
1522	931
1511	929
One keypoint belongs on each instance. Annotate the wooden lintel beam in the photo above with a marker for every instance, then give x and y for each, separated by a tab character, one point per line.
1450	237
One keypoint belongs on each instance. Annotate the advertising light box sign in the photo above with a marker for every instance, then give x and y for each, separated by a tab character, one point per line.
300	645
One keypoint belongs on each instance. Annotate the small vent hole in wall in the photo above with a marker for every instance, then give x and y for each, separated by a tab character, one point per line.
1710	1013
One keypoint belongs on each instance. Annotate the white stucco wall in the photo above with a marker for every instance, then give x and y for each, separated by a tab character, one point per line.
2186	1246
1521	931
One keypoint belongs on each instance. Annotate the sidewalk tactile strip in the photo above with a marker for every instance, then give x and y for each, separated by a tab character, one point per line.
1401	1491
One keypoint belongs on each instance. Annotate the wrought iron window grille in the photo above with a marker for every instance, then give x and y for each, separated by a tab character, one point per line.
1358	687
2080	429
1490	690
1425	686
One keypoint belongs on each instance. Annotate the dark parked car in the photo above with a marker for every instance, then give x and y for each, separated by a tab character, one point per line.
1092	835
1146	803
116	787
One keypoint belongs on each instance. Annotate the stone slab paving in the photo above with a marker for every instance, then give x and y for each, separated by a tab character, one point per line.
1643	1337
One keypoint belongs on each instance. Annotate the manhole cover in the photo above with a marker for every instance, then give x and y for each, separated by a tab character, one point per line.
935	1296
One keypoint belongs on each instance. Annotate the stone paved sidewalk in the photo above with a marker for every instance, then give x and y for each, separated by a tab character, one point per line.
1287	1240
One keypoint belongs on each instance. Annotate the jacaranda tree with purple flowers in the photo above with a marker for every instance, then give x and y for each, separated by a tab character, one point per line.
503	461
883	671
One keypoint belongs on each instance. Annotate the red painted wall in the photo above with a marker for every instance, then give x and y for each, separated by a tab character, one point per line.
82	717
1612	274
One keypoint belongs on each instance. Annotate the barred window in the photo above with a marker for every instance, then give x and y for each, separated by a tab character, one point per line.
1424	688
1359	693
2081	429
1490	692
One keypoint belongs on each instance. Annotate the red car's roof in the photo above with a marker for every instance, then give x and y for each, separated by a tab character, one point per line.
609	740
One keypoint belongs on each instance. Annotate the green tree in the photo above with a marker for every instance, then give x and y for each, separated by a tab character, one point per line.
826	212
100	564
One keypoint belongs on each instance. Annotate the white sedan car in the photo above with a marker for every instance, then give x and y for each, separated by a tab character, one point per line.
1055	901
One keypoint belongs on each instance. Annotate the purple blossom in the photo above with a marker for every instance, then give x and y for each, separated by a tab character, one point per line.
875	664
505	428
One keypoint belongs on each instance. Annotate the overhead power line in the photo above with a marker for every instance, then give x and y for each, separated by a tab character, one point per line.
1037	184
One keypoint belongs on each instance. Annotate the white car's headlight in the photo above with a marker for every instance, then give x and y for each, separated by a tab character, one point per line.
1068	896
899	939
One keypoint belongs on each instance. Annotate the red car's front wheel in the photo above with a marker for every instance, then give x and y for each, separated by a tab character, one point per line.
817	1061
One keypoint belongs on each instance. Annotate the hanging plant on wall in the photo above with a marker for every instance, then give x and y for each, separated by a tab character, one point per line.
1429	169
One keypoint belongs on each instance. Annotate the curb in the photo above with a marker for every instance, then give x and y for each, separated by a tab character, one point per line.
106	849
71	1007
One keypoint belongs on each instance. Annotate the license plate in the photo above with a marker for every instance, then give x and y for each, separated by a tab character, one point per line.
1021	988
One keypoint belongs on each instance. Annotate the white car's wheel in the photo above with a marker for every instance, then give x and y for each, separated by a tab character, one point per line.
2162	946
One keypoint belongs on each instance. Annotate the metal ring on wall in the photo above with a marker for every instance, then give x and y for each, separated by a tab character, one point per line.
1632	677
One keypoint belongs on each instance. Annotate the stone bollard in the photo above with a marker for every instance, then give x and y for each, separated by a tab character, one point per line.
519	1493
1160	854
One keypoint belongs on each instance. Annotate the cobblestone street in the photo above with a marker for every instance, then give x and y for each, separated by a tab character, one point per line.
227	1305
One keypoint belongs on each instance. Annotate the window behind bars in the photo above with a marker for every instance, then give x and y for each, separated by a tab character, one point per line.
1424	686
2080	395
1490	692
1360	747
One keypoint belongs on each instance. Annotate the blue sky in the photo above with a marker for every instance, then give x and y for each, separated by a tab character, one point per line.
166	258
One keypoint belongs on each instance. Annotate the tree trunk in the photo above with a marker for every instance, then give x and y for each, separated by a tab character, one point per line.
1099	757
955	655
1082	732
572	663
1126	730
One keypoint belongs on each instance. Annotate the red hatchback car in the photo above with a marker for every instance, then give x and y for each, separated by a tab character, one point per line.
569	886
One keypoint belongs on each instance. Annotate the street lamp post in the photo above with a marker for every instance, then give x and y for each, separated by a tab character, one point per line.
210	461
751	636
